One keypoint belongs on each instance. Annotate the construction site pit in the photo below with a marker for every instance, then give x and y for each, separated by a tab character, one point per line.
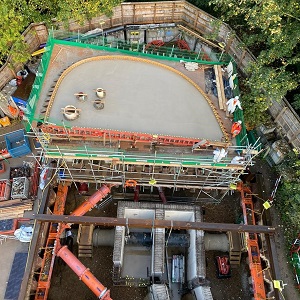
101	264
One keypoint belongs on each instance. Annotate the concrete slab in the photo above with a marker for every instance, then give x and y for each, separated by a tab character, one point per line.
141	96
137	260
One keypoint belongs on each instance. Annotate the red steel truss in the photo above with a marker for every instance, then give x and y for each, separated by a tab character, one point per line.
108	134
252	245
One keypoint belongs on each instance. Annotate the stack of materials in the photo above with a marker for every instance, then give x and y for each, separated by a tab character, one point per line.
20	188
13	209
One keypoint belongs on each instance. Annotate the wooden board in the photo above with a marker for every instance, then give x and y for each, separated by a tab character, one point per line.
220	88
14	211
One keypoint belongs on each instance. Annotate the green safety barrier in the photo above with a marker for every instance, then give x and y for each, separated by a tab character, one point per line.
242	138
38	84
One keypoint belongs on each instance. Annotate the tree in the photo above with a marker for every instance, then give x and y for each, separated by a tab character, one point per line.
271	30
84	10
288	195
12	22
16	15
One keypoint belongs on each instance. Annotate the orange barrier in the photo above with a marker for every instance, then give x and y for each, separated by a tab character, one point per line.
130	183
84	274
52	245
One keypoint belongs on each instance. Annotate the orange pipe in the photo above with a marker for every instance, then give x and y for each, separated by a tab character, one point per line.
92	201
84	274
86	206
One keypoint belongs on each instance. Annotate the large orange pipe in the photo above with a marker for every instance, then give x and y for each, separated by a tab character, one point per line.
84	274
92	201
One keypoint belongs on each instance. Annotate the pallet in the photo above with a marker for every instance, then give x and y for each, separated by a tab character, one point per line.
15	211
13	202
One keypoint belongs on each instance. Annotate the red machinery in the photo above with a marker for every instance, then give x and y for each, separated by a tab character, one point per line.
77	132
92	201
81	271
223	266
155	44
183	45
162	195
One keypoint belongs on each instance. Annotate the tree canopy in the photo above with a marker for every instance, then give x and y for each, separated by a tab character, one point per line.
16	15
270	28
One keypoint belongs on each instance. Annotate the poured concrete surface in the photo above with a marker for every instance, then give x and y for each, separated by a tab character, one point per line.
140	97
137	260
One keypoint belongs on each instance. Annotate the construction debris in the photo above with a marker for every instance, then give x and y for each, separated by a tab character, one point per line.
191	66
20	188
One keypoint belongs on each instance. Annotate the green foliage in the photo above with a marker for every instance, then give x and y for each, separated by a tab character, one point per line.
288	203
12	22
296	102
84	10
290	167
215	25
288	195
16	15
271	30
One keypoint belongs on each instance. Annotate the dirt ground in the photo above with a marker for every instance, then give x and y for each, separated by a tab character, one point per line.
65	284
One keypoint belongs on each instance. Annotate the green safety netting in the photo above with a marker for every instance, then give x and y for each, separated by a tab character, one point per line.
296	264
38	84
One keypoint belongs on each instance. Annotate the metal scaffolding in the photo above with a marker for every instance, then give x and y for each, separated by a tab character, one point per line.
187	169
